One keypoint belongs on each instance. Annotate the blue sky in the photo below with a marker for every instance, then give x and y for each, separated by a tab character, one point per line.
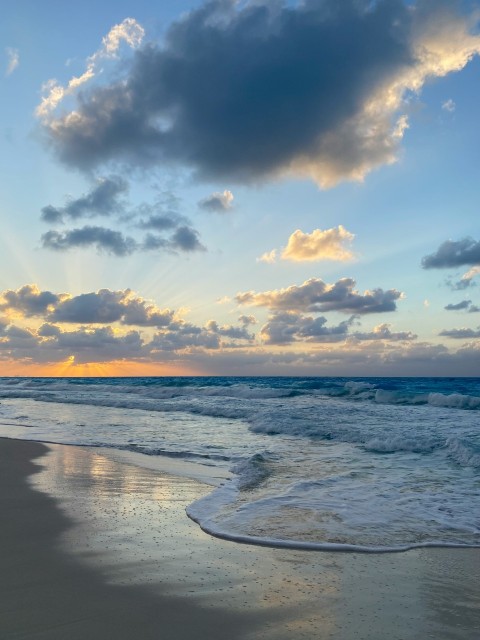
240	188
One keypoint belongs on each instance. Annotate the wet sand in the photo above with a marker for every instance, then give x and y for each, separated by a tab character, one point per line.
93	547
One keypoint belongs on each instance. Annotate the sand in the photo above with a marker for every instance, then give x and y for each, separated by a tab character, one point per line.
93	547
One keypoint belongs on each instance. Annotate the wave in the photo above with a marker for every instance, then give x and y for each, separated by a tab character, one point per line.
252	472
463	452
435	393
398	443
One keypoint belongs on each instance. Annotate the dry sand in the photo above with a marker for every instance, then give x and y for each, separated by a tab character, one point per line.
94	548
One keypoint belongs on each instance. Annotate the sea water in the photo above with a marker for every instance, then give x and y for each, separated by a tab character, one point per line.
318	463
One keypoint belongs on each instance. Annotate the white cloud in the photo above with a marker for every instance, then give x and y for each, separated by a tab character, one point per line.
13	60
319	245
449	105
269	257
128	31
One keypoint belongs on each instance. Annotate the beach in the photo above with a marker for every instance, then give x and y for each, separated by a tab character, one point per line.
97	547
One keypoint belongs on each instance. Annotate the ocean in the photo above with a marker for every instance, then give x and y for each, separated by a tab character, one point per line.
366	464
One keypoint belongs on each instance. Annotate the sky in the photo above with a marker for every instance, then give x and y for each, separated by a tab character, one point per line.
240	188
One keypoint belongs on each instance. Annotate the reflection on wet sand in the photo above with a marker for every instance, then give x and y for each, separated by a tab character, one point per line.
131	523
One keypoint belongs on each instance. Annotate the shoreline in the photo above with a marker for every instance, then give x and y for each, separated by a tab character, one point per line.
91	547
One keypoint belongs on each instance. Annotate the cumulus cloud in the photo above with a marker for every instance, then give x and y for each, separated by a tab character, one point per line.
250	91
101	307
218	202
454	253
29	300
104	239
288	326
315	295
465	304
13	60
106	199
460	334
319	245
51	342
128	31
186	239
102	200
230	331
383	332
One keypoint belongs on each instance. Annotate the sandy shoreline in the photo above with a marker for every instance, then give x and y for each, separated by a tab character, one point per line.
91	547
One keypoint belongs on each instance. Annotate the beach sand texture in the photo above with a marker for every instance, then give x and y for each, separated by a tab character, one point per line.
91	547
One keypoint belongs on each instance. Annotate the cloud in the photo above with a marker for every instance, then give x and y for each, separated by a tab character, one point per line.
465	281
256	90
247	320
105	240
319	245
460	334
218	202
229	331
459	306
161	221
50	342
101	307
29	300
13	60
454	254
105	199
105	306
269	257
383	332
186	239
101	200
128	31
288	326
315	295
449	105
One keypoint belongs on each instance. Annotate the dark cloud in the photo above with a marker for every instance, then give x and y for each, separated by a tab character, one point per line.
315	295
97	345
465	304
184	336
107	306
102	200
29	300
251	90
454	254
162	221
105	240
287	327
383	332
101	307
229	331
460	334
186	239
